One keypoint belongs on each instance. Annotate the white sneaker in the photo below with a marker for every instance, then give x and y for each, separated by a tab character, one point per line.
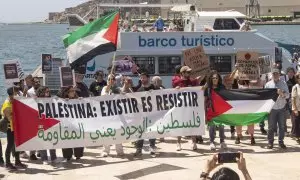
212	146
104	154
178	147
45	162
223	145
194	146
152	150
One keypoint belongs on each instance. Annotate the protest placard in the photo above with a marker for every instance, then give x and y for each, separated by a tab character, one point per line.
46	63
109	119
265	64
248	67
13	72
67	76
196	59
124	65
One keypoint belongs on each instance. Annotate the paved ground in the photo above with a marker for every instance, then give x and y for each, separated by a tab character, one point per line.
262	164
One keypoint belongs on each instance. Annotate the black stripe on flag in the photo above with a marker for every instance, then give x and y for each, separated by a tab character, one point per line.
249	94
102	49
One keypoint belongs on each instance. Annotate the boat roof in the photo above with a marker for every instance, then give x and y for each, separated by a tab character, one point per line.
220	14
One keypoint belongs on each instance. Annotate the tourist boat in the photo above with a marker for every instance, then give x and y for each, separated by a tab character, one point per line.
220	33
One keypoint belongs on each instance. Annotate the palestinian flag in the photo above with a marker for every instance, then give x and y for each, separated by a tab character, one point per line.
240	107
96	38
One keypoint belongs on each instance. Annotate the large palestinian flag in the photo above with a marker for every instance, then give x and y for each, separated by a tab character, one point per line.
96	38
240	107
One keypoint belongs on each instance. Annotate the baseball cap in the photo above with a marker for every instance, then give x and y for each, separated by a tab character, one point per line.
275	70
185	69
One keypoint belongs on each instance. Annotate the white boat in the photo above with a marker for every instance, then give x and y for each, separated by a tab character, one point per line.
220	33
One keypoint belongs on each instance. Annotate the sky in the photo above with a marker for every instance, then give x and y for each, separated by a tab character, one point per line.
16	11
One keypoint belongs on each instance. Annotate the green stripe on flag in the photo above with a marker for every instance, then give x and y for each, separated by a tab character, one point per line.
89	29
239	119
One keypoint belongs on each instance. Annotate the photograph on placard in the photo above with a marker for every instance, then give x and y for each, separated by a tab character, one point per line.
66	77
46	63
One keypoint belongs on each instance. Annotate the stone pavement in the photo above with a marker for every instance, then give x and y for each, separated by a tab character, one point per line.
263	164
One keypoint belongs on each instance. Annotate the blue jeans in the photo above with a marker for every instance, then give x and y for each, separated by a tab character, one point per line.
212	132
276	116
44	156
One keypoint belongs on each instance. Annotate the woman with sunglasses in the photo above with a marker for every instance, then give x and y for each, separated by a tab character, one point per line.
44	92
110	89
70	93
214	82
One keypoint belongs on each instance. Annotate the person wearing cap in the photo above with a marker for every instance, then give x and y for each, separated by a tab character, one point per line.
186	81
277	114
176	76
7	111
97	86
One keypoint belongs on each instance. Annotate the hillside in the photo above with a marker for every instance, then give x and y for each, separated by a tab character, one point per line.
84	8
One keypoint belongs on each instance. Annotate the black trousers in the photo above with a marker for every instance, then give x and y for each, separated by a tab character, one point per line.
1	153
68	152
10	148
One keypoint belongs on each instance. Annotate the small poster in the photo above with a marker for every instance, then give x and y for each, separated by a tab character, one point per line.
125	65
13	71
46	63
196	59
265	64
248	66
66	77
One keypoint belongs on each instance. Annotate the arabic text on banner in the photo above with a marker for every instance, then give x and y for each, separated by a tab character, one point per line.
51	123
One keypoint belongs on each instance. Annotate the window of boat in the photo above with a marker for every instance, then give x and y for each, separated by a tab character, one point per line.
167	64
220	63
226	24
145	63
241	20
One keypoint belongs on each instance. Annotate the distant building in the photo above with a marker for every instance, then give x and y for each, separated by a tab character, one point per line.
51	16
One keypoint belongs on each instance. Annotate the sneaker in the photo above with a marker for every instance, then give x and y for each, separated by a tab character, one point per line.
178	147
20	165
45	162
33	157
77	158
223	145
212	146
282	146
199	140
263	132
10	167
298	140
104	154
237	140
152	150
247	133
194	146
252	141
24	155
270	146
137	153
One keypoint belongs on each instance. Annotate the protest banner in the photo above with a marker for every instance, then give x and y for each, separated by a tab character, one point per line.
265	64
196	59
13	72
248	67
52	123
67	77
46	63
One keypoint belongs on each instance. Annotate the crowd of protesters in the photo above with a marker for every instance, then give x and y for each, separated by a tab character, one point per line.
287	104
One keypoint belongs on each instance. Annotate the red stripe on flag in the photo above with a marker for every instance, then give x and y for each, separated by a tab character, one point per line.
218	106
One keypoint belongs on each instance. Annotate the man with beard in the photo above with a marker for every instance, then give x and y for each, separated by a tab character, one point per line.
186	81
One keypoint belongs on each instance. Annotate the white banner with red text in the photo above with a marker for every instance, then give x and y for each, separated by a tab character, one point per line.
53	123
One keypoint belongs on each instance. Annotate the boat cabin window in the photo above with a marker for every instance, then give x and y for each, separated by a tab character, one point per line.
167	64
226	24
145	63
220	63
241	20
